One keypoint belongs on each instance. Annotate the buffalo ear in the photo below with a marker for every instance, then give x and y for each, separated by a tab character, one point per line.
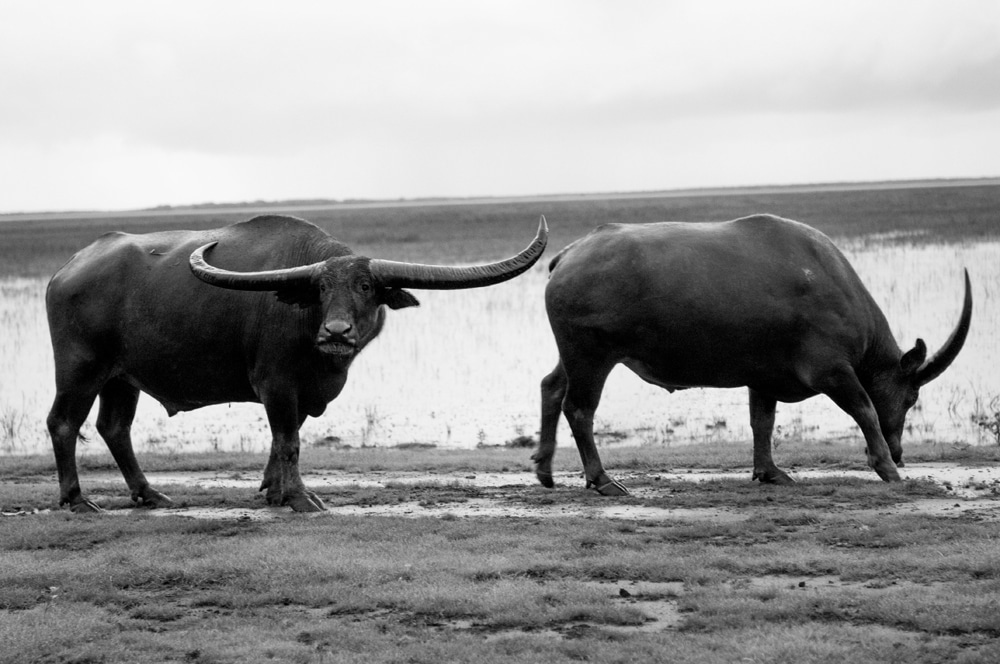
305	297
397	298
913	359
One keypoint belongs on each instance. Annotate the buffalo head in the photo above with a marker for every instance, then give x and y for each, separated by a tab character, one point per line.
894	389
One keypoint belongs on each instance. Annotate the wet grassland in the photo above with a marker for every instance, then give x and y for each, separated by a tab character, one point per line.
463	369
36	245
723	570
837	567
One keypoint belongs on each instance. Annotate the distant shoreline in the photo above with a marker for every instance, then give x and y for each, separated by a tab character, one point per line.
306	206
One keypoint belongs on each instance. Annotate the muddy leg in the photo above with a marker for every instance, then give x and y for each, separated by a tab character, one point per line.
114	423
583	394
848	393
762	423
281	475
553	392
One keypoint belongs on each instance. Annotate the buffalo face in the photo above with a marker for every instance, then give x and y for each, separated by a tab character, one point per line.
351	301
894	393
895	390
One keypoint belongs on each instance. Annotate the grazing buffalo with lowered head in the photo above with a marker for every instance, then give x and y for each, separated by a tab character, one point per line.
761	302
189	318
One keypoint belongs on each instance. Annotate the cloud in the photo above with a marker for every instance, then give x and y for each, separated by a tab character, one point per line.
441	84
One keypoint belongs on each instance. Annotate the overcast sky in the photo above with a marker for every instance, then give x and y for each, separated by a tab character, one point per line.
118	105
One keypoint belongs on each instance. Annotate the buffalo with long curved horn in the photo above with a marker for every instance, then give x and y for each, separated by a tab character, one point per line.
393	274
759	302
148	312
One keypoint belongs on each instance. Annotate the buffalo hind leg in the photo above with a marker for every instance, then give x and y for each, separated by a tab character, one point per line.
282	480
76	391
553	392
847	392
583	393
114	423
762	423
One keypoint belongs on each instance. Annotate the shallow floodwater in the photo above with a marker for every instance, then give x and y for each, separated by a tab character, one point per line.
963	480
971	488
464	368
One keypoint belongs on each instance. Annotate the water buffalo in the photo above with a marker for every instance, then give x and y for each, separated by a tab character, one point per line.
149	313
761	302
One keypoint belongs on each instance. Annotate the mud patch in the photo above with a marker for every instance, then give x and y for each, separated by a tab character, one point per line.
656	602
975	492
964	481
972	491
472	508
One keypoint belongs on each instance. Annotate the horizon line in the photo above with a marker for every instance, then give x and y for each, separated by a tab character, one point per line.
306	204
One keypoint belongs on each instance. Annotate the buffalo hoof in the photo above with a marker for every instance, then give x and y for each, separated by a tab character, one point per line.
889	474
608	488
545	479
273	497
150	497
776	476
304	502
84	506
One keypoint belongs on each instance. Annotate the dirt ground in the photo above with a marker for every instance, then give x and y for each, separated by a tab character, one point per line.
973	489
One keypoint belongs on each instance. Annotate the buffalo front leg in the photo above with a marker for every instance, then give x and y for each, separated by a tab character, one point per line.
114	423
583	393
553	392
762	423
847	392
282	481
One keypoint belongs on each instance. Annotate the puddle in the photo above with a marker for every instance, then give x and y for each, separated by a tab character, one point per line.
971	487
472	508
487	508
965	481
658	603
374	479
973	491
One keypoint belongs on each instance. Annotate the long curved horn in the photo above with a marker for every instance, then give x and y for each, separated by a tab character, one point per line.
940	361
444	277
267	280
